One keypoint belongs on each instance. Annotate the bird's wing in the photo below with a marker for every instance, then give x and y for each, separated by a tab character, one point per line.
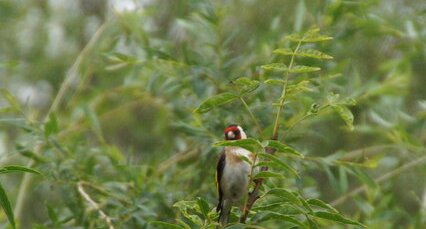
219	172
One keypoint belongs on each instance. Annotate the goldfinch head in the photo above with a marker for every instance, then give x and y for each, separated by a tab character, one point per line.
234	132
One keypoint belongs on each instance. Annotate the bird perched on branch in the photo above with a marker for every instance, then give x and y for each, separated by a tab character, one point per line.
232	173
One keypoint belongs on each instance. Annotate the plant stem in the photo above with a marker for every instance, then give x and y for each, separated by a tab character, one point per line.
254	195
259	129
70	76
386	176
253	164
283	94
295	123
86	196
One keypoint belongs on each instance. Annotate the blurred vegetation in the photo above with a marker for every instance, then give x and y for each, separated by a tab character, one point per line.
99	97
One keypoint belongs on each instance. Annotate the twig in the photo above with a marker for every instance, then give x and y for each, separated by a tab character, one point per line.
70	76
380	179
176	159
94	205
254	195
73	71
104	192
283	95
367	151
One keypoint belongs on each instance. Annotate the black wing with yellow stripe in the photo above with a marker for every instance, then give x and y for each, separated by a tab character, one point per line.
219	172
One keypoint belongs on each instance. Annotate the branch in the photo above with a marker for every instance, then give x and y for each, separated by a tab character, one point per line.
94	205
176	158
254	195
380	179
70	76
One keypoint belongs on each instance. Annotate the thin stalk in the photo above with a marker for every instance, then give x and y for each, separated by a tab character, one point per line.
253	164
283	94
95	205
254	195
73	71
295	123
386	176
70	76
259	129
303	118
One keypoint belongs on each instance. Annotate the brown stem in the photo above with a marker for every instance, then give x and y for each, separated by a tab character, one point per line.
95	205
254	195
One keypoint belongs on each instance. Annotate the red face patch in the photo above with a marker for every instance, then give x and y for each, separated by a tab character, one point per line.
236	133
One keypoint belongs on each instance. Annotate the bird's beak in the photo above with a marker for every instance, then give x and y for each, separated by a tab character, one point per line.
230	135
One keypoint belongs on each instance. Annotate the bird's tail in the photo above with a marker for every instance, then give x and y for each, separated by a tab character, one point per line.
225	209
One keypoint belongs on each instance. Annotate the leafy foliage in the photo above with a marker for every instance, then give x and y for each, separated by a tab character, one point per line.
100	99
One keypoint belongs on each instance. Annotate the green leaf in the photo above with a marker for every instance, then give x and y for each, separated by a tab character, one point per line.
184	207
276	67
321	204
365	178
343	179
278	162
183	224
5	204
345	114
268	206
51	126
311	53
119	57
11	99
283	193
33	156
246	85
316	38
94	122
280	147
204	207
17	168
286	218
267	163
275	82
283	51
303	69
239	226
337	218
267	174
310	37
304	203
215	101
312	223
299	87
6	109
249	144
52	214
18	122
162	224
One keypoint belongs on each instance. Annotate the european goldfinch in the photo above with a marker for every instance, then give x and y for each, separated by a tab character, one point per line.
232	173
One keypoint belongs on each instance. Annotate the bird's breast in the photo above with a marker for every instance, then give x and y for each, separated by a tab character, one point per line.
236	173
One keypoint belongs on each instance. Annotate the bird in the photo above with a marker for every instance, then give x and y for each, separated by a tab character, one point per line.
232	173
